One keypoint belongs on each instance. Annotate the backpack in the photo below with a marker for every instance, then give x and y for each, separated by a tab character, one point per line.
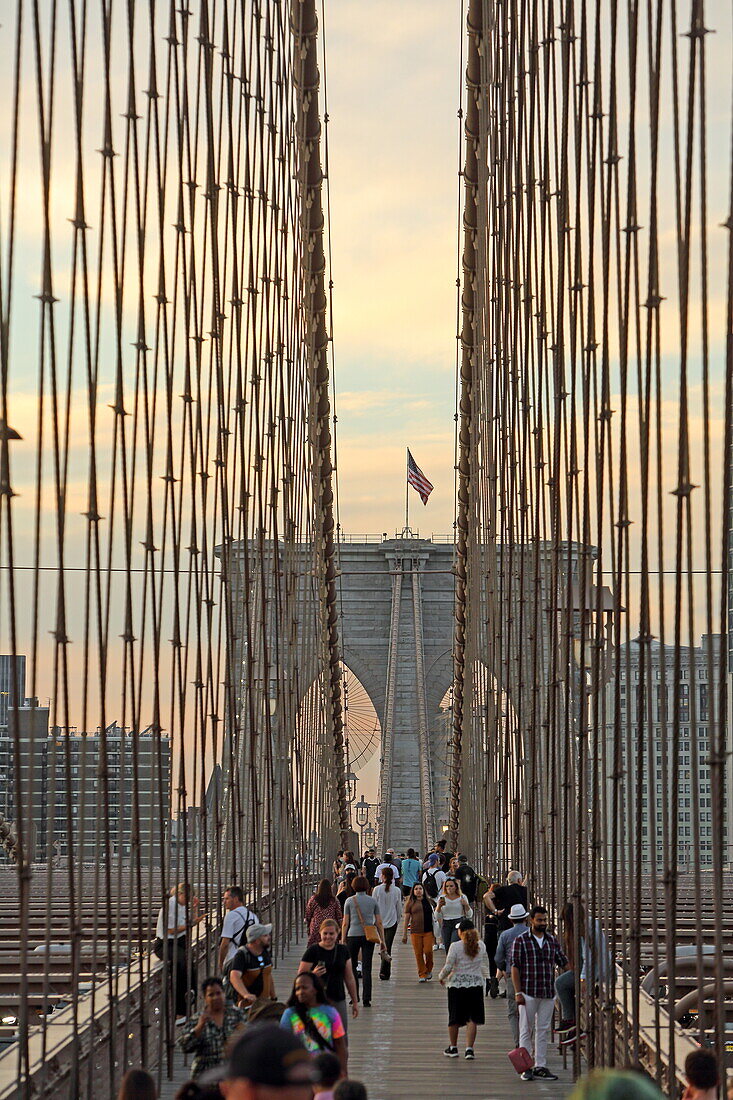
482	887
468	880
230	992
237	938
430	886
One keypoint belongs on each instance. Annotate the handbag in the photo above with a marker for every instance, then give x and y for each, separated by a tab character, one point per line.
370	930
521	1059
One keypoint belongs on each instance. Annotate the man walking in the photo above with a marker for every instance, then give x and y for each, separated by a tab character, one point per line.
433	878
500	900
369	866
234	928
533	958
518	916
388	861
467	879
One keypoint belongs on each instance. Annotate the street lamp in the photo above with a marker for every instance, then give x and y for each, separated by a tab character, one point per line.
351	782
362	812
369	836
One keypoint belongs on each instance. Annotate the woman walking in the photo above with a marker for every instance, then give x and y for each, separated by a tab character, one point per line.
491	939
419	923
173	927
452	907
389	904
465	971
346	888
360	914
321	906
313	1020
330	961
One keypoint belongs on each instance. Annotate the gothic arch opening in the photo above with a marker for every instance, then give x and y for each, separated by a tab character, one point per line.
362	728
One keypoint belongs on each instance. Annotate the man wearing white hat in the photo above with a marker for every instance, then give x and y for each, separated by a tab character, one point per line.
518	916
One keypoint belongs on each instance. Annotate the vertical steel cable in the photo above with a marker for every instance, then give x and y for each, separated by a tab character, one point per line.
468	363
593	323
204	538
304	22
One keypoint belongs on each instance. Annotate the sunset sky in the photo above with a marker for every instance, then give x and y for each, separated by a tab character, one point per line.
393	79
393	76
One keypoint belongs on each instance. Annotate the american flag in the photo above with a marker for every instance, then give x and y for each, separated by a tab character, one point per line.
417	479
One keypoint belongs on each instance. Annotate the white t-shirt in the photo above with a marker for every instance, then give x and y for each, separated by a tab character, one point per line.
389	904
176	918
452	908
381	867
234	922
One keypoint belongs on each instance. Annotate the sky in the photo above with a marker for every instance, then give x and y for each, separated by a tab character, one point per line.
392	79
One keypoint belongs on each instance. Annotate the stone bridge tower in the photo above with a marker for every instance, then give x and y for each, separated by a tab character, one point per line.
396	626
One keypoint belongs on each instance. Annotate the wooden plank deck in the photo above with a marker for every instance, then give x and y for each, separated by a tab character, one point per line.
396	1046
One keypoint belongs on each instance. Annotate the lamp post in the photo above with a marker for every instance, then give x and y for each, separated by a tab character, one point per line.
369	836
363	811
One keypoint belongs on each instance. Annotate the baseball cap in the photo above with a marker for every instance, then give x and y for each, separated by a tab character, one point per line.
268	1055
256	930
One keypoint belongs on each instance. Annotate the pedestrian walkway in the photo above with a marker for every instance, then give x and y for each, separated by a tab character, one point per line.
396	1046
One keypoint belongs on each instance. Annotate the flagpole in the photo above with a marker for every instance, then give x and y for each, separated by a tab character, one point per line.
407	490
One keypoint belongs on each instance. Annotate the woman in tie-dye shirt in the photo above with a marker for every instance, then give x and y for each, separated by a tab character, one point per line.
316	1023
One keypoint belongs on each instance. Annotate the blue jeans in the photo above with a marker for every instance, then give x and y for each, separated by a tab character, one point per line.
450	932
565	989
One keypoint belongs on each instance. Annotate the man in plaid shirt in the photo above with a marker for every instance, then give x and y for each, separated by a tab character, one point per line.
533	958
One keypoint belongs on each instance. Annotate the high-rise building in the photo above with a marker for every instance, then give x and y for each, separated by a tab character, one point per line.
70	809
12	684
650	714
23	773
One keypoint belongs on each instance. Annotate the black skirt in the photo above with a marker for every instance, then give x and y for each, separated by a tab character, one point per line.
466	1006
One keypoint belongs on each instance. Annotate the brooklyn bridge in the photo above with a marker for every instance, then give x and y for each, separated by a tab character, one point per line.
210	681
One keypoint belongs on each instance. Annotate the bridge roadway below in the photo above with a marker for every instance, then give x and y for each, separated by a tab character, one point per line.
396	1046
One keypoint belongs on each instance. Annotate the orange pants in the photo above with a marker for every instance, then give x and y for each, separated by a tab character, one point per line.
422	945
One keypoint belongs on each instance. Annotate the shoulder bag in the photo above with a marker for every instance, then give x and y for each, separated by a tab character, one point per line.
370	930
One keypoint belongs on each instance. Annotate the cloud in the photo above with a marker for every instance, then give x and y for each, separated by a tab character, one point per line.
351	401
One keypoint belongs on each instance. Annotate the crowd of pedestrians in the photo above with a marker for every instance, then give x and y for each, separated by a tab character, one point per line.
243	1042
